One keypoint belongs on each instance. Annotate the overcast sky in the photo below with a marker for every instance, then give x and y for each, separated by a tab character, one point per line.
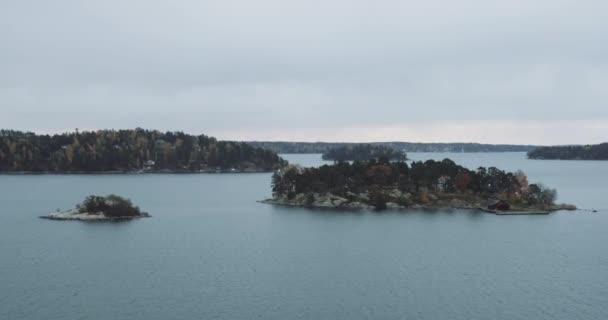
515	71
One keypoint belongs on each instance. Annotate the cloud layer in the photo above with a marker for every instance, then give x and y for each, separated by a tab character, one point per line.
488	71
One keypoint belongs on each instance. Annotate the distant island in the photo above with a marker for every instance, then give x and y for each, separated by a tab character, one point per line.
138	150
363	152
100	208
587	152
324	147
430	184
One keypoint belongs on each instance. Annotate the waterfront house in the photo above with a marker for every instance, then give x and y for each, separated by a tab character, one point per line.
499	205
442	184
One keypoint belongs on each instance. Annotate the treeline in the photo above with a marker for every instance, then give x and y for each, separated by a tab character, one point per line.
374	177
587	152
363	152
323	147
127	150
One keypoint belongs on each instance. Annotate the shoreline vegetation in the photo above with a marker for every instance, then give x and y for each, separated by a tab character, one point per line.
363	152
587	152
100	208
129	151
141	171
323	147
381	184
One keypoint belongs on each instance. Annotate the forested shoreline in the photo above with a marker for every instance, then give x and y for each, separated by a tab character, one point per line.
323	147
587	152
129	150
363	152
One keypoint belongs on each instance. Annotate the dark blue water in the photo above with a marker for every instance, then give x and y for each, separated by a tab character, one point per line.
212	252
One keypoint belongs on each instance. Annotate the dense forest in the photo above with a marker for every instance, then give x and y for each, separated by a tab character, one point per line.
588	152
323	147
376	178
128	150
363	152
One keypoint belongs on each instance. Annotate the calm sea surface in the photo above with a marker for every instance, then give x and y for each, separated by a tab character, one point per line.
211	252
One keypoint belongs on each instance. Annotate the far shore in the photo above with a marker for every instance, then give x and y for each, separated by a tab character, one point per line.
131	172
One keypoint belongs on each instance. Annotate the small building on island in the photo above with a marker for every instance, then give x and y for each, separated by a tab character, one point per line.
499	205
149	165
443	183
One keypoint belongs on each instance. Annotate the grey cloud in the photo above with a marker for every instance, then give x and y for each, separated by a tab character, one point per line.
229	66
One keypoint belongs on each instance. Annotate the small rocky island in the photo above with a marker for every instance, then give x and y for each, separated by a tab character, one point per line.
100	208
381	184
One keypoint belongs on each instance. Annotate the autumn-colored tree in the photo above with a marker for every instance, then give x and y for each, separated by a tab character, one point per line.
374	182
379	174
423	197
462	181
522	179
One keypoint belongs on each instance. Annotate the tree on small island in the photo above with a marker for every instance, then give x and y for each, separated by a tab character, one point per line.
363	152
381	184
96	208
111	206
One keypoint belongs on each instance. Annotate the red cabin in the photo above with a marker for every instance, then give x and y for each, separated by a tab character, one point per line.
499	206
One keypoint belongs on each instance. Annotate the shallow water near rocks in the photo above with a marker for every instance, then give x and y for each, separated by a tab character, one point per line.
210	251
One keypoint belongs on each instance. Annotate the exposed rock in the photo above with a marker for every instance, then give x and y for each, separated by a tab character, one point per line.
395	194
300	199
337	202
75	214
392	205
406	200
363	197
564	206
98	208
323	201
351	194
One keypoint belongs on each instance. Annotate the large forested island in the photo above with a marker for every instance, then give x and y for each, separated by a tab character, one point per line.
363	152
135	150
587	152
323	147
383	184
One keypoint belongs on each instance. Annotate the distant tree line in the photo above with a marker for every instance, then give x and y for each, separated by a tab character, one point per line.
420	177
587	152
125	150
323	147
363	152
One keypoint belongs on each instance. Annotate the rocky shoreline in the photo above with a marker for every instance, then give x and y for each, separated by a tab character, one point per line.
75	214
404	201
100	208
